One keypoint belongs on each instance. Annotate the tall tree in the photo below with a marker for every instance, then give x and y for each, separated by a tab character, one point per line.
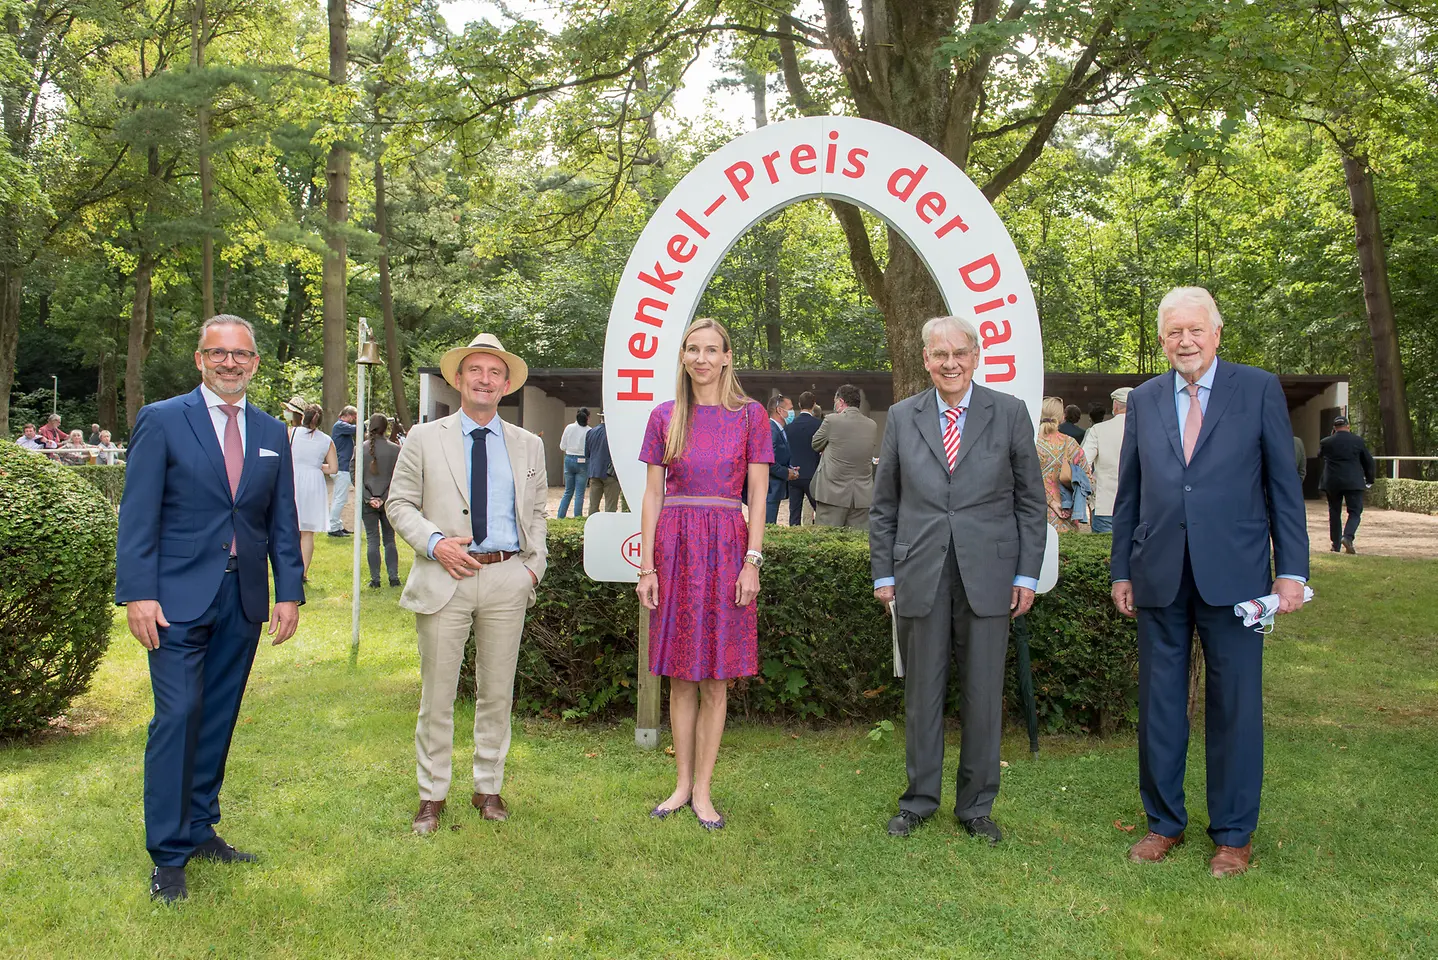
334	287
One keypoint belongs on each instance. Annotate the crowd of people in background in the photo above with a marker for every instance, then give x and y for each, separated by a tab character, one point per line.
71	448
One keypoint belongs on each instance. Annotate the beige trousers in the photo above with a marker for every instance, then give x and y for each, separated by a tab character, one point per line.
829	515
492	602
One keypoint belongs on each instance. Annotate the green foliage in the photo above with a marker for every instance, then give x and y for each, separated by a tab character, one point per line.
57	583
109	480
1410	496
825	650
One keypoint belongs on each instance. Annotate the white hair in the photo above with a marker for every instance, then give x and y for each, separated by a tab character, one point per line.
1196	297
226	320
950	325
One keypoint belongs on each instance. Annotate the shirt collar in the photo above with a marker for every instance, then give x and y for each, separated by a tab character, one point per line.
213	399
962	404
468	425
1180	385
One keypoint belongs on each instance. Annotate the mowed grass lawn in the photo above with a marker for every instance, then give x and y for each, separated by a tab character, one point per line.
321	785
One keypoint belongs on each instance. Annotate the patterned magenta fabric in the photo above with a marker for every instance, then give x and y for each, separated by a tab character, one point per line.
699	632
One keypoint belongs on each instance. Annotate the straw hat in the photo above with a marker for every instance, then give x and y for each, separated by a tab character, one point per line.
296	405
1121	394
484	343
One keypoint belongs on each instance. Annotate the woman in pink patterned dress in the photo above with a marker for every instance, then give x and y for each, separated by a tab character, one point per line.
699	565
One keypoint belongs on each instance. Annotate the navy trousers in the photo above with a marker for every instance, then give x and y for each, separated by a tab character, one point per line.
798	490
198	675
1233	714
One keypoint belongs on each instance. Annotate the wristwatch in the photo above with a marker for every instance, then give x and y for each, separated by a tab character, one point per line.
754	557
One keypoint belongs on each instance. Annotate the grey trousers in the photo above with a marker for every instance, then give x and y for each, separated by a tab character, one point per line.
829	515
951	631
608	489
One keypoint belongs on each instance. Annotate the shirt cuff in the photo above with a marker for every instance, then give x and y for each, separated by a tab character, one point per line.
1030	583
1121	581
434	539
883	582
1290	576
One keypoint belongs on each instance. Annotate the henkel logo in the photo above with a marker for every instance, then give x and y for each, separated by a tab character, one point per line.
630	550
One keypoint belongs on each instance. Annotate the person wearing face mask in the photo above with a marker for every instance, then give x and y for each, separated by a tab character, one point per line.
843	486
781	413
800	434
700	556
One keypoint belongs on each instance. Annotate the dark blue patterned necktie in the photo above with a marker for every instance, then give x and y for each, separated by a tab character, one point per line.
479	485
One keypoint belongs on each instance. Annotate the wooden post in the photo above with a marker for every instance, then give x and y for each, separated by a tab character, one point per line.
646	723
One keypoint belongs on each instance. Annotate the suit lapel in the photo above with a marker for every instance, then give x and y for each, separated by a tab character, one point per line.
1168	413
252	450
980	414
926	413
199	416
1221	393
518	470
452	439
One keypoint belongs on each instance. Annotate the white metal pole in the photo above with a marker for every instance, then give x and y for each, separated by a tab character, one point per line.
361	374
55	394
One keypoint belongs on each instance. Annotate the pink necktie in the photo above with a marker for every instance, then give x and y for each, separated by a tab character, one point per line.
951	435
234	455
1192	424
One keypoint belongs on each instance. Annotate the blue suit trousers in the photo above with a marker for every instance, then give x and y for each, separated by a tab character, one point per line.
198	674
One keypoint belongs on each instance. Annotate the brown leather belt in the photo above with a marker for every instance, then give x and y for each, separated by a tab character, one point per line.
499	556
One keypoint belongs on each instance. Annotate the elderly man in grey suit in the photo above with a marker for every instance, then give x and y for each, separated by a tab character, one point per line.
956	542
843	485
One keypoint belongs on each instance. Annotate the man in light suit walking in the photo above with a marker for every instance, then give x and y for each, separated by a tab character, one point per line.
468	495
208	510
1206	481
956	541
1102	444
843	485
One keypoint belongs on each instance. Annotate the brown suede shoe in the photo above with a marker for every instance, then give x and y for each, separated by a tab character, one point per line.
427	820
1153	848
491	805
1230	861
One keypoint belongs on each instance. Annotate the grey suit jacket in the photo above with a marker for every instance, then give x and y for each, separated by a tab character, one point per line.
845	477
991	509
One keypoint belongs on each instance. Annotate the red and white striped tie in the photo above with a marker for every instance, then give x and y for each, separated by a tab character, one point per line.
951	434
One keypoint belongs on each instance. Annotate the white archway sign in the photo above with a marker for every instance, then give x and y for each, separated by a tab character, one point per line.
914	188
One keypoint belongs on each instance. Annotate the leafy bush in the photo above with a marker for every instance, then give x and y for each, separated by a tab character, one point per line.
57	584
1410	496
824	643
109	480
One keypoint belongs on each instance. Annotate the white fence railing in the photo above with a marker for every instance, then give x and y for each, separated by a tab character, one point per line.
1393	470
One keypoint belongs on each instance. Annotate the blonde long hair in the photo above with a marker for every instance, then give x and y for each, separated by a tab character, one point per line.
731	395
1050	415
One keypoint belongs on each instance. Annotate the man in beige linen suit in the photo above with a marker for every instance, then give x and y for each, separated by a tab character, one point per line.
843	486
469	494
1101	446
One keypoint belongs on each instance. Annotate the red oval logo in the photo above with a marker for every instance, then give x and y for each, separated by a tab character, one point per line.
631	549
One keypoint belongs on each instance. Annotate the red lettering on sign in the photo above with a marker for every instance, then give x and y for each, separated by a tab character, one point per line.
855	169
690	222
715	205
990	332
831	154
661	279
968	271
634	376
769	160
631	550
739	176
677	251
956	222
995	376
639	350
911	180
803	153
931	203
649	303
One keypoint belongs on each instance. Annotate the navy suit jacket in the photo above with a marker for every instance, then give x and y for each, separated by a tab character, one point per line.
800	435
779	469
177	517
1239	492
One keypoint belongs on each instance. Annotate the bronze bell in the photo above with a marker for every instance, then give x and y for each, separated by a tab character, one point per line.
368	353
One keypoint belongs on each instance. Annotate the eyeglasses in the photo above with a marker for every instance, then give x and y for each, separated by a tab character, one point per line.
220	355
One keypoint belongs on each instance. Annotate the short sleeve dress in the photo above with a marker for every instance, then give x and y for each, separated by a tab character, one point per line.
698	632
309	447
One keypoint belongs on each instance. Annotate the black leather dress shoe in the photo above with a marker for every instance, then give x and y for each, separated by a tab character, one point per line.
983	827
167	885
904	823
221	852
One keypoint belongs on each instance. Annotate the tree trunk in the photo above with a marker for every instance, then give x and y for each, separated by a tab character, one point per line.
1378	301
333	282
12	278
108	390
392	357
139	340
912	298
207	177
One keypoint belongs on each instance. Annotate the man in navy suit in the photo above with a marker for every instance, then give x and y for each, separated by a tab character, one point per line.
1206	481
800	436
781	411
209	506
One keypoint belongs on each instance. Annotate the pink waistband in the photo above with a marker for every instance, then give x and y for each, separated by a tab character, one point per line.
703	502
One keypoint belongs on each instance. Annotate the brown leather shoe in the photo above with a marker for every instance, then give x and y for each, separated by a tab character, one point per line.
427	820
1230	861
491	805
1153	848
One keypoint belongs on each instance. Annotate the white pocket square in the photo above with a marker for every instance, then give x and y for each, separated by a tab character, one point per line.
264	452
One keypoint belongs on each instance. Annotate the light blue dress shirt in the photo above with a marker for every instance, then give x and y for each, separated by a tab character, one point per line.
502	533
963	418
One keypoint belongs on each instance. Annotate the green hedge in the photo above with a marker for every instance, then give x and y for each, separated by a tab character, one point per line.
109	480
57	587
1410	496
824	644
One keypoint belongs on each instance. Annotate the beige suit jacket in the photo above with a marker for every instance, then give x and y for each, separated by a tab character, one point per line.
430	494
848	442
1101	445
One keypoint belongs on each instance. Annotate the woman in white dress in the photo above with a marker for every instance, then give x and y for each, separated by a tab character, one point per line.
315	458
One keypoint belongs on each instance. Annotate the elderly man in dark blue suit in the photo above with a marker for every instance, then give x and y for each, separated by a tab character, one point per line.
209	507
781	411
1206	482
